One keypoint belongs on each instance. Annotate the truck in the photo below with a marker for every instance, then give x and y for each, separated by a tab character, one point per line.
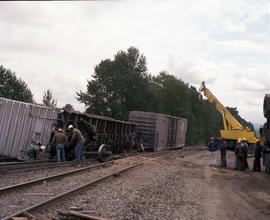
233	129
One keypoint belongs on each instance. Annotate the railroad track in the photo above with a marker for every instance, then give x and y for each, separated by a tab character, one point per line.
47	189
33	165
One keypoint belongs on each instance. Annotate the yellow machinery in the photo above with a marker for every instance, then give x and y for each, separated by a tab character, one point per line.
232	128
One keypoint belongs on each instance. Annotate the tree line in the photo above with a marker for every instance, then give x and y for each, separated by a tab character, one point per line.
123	84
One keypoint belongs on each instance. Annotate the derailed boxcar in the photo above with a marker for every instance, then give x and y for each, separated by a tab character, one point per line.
22	124
158	131
104	136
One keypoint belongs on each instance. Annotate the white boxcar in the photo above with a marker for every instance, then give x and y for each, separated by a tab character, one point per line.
22	124
158	131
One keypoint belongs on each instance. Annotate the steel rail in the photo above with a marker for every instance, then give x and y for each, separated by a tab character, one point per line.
33	182
25	166
23	162
70	192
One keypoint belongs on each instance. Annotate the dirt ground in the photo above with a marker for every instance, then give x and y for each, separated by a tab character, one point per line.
225	193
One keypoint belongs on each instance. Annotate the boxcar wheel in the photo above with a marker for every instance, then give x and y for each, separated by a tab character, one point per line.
102	153
141	148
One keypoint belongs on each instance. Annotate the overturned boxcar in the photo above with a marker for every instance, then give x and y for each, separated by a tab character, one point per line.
104	136
159	132
23	124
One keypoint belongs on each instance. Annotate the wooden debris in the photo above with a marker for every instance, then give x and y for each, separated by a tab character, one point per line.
40	194
29	216
46	217
80	215
19	218
74	208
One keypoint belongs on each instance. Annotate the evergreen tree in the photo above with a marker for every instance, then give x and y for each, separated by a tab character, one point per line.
242	121
48	99
118	86
68	107
13	88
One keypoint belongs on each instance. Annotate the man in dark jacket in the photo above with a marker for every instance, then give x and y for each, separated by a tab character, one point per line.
212	147
257	157
240	154
60	139
78	139
223	151
246	153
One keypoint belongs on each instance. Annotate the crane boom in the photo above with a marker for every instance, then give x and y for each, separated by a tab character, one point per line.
232	128
227	116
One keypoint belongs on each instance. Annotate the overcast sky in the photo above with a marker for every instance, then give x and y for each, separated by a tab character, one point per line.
55	45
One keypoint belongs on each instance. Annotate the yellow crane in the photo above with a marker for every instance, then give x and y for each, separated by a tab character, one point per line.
232	128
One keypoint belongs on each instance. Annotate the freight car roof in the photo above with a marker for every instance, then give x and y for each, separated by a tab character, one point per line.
100	117
153	113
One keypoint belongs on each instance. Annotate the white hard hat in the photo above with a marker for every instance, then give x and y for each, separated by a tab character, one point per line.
43	148
70	126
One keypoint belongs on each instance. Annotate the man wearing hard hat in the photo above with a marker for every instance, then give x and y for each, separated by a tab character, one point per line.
78	139
240	154
60	139
33	152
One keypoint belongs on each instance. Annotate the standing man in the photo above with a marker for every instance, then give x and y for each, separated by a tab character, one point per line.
223	151
239	152
60	139
78	139
245	153
212	147
257	160
33	152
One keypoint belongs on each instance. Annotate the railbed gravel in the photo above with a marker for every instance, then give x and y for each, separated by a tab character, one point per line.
12	178
156	190
23	198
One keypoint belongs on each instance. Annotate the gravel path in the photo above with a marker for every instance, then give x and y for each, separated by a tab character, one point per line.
154	191
12	178
23	198
181	185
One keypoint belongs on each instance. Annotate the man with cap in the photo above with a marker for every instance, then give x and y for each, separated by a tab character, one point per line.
78	139
60	139
240	154
33	152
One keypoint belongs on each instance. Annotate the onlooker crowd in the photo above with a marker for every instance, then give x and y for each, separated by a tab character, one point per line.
241	154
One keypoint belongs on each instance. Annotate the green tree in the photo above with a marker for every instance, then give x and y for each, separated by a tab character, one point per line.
13	88
171	95
174	97
242	121
68	107
48	99
118	85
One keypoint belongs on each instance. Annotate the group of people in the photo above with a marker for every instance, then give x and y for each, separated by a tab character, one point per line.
60	139
241	154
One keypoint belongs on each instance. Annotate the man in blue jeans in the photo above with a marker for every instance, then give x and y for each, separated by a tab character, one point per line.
212	147
78	139
60	139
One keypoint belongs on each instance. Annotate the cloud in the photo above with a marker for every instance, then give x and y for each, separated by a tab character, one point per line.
243	46
55	45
